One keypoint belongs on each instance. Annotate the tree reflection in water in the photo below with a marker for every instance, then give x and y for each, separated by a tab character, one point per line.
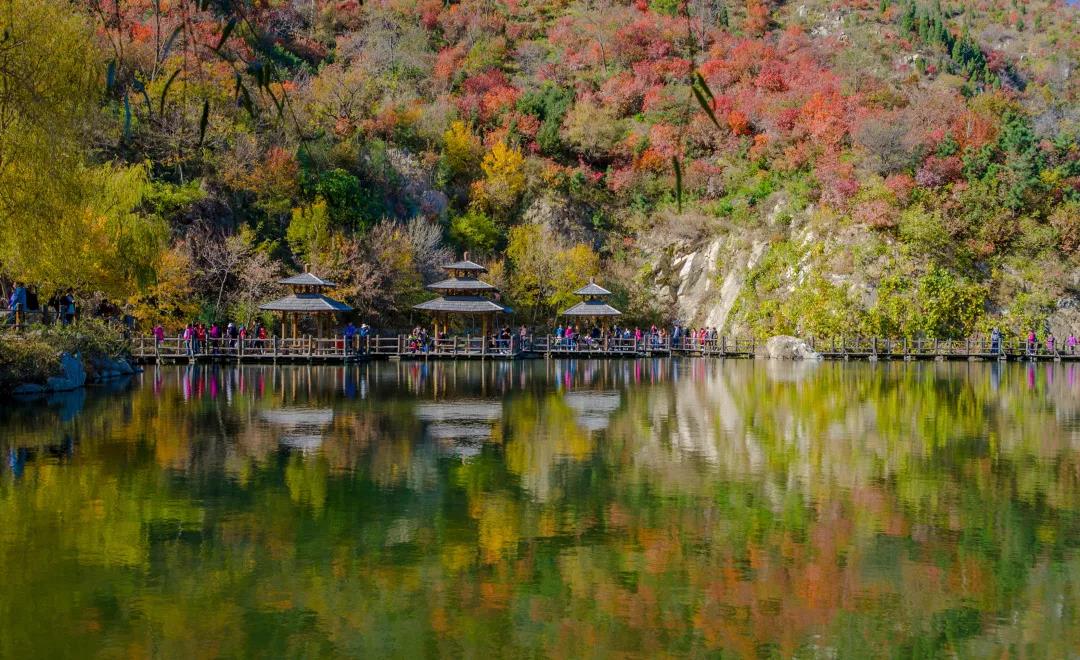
547	507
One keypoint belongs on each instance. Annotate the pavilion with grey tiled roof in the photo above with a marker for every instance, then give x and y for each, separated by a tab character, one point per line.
306	299
462	294
594	304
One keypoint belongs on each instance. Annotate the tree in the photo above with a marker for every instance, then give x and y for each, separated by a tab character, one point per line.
378	273
544	272
169	300
310	230
231	271
504	178
64	222
461	153
475	231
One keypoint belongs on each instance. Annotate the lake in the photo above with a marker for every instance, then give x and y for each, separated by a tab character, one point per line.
545	508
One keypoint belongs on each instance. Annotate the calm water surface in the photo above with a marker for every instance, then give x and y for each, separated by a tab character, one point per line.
592	508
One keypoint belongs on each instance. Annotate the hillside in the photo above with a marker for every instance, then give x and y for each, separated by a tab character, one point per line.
901	168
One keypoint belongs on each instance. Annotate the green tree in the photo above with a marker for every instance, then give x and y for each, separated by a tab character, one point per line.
310	230
475	231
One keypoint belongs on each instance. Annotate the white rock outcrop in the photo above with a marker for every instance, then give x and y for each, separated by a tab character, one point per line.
783	347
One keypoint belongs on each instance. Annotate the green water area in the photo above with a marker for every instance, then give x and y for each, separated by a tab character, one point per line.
545	508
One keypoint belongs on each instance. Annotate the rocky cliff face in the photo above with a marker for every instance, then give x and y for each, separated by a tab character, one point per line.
721	276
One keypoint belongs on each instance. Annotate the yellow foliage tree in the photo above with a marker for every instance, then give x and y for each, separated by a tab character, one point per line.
169	299
461	152
544	272
64	222
504	179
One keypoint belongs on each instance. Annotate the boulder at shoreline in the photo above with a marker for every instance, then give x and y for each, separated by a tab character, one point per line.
783	347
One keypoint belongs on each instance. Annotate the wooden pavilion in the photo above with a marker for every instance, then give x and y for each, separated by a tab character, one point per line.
593	306
307	300
463	295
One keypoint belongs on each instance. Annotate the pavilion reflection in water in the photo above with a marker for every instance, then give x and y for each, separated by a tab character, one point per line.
301	428
460	426
593	410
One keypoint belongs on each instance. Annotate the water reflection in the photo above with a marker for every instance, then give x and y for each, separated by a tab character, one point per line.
639	507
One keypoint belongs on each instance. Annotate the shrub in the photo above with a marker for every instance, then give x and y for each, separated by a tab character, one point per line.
25	359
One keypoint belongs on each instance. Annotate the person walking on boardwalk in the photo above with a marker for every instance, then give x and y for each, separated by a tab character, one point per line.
350	336
1032	342
1070	343
995	341
17	304
191	340
1050	341
159	334
68	307
365	332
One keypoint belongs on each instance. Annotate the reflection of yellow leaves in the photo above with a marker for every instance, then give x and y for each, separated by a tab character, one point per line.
171	450
547	525
306	480
457	557
498	521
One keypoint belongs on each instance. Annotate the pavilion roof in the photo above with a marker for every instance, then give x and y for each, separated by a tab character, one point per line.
463	305
592	289
592	308
465	264
461	284
306	279
306	303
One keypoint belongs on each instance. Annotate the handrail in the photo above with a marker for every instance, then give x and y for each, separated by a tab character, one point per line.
145	347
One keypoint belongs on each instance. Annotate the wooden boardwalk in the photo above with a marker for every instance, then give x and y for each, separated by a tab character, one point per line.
862	348
400	347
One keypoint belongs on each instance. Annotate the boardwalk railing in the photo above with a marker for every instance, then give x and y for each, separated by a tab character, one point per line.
406	347
552	345
944	349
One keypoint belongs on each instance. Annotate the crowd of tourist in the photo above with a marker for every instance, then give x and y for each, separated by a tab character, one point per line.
24	305
217	337
354	338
